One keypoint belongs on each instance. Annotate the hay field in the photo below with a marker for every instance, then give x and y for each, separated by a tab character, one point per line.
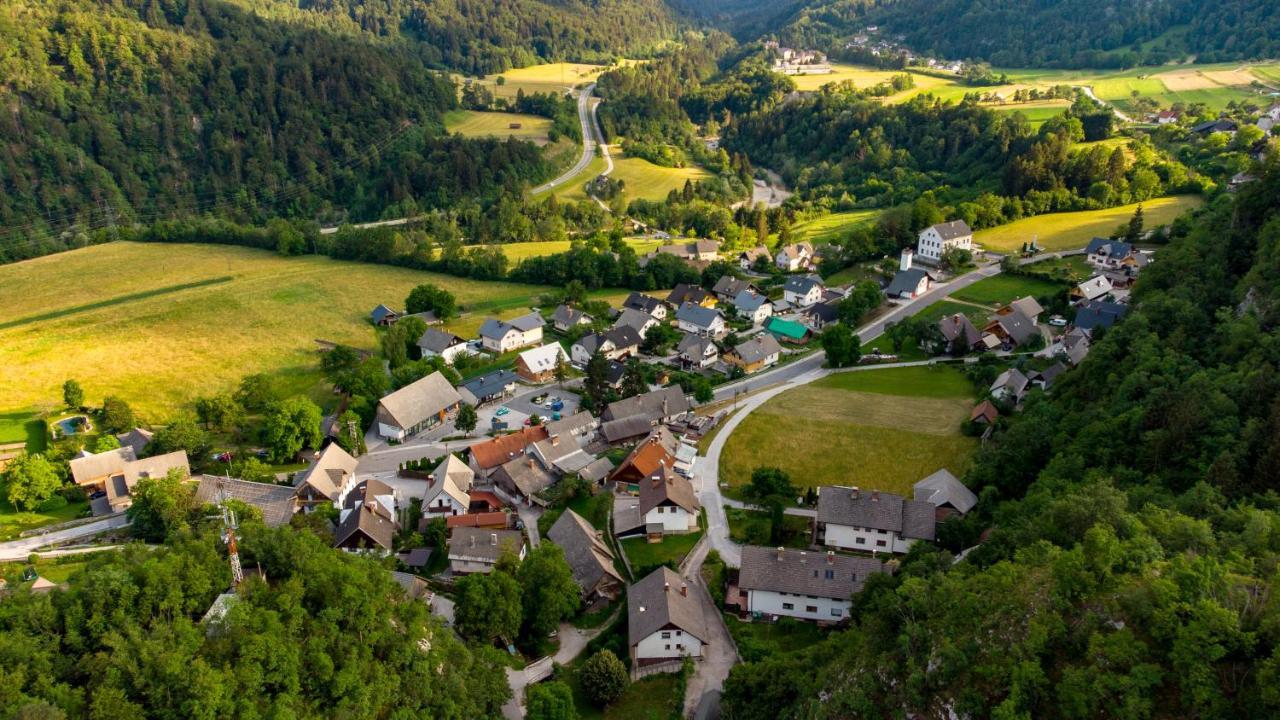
884	431
1071	230
830	227
474	123
642	178
516	252
162	324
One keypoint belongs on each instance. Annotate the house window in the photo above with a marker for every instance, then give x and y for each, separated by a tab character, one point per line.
836	612
666	635
879	543
861	541
831	574
788	606
659	510
677	633
811	608
668	647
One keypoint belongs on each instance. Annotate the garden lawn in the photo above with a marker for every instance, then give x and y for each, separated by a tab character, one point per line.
22	426
945	308
13	523
474	124
1073	230
653	698
783	636
1002	289
160	351
645	556
1073	269
831	227
751	527
880	429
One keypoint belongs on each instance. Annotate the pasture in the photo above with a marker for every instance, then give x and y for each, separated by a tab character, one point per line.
881	429
826	228
474	124
207	316
516	252
641	178
1072	230
546	78
1001	289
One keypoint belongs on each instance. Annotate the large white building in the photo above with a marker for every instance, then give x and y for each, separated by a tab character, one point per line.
936	240
417	406
799	584
874	522
664	623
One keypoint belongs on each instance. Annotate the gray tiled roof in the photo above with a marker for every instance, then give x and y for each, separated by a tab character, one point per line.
528	322
730	286
699	316
943	488
642	302
666	485
877	510
654	405
801	285
748	302
805	573
1018	326
495	329
275	501
905	281
418	401
655	602
483	544
952	230
757	349
437	341
627	427
634	319
588	556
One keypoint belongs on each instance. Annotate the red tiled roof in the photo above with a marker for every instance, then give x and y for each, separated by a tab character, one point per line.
477	520
499	450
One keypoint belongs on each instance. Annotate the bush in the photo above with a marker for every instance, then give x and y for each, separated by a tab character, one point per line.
54	502
604	678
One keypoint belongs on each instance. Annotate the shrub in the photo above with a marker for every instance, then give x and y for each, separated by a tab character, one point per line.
52	503
604	677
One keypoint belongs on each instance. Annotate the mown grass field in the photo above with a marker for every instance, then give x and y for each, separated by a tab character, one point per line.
645	556
1036	113
1073	230
833	226
1001	289
474	123
519	251
945	308
641	178
159	350
550	77
883	429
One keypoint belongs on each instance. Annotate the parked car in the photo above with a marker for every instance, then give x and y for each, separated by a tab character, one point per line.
1058	321
502	411
556	404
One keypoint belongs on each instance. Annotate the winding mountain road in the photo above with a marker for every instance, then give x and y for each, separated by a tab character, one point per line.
591	137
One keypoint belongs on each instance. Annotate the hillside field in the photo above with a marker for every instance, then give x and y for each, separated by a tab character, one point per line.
879	429
519	251
641	178
1072	230
161	324
474	123
831	227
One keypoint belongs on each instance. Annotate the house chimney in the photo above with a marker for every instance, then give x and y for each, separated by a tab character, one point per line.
529	460
804	557
472	539
493	539
555	441
666	587
875	496
904	263
855	492
831	557
780	553
684	589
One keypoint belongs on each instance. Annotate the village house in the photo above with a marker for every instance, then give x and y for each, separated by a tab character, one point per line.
561	455
589	558
794	257
945	492
799	584
664	623
657	449
668	504
566	318
442	344
1074	345
1013	329
753	306
936	240
638	320
1096	287
538	365
618	343
489	520
1027	306
1108	253
802	292
693	251
625	431
691	294
109	477
747	258
420	405
696	352
136	439
756	354
383	316
700	320
787	331
488	456
1045	378
505	336
822	315
524	477
367	521
875	522
477	550
646	304
277	503
579	424
490	387
960	334
447	493
909	284
729	287
657	406
1010	386
326	478
984	413
1221	125
1092	314
1167	117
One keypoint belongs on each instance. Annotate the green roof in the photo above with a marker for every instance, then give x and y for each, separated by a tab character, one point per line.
786	328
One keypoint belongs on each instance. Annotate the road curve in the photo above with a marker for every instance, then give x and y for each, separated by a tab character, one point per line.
586	117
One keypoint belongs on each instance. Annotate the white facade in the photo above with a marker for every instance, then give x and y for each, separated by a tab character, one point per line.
714	329
663	644
391	432
848	537
762	313
931	245
809	298
449	354
445	504
510	340
805	607
673	518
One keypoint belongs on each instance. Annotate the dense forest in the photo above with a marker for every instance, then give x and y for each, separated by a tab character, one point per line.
322	634
132	110
1053	33
1132	528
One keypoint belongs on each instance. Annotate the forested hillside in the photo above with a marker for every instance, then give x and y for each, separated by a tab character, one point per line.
1054	33
127	110
1130	568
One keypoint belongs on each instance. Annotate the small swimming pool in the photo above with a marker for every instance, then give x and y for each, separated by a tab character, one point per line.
72	425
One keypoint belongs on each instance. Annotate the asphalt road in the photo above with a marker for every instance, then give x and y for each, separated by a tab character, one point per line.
20	549
586	117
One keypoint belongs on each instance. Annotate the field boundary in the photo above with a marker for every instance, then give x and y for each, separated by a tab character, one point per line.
118	300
